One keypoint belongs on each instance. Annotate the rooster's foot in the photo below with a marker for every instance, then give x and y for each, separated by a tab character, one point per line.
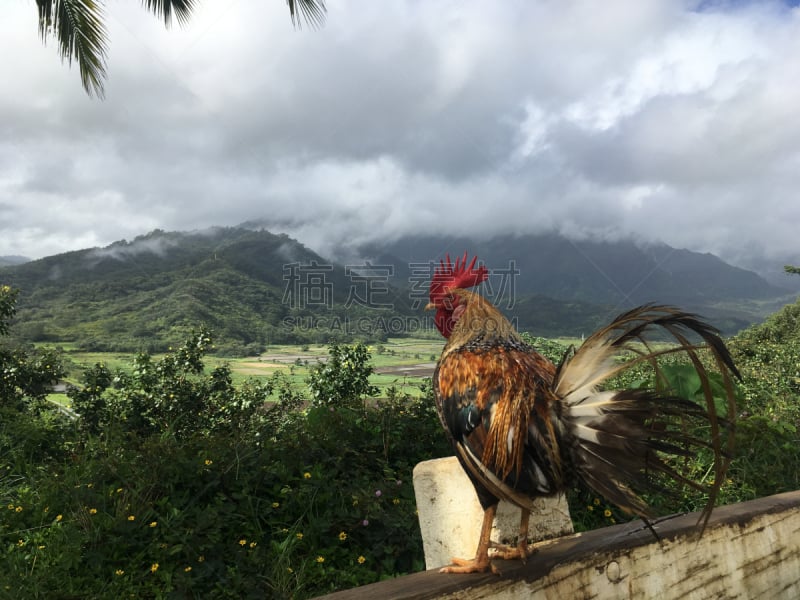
520	551
470	565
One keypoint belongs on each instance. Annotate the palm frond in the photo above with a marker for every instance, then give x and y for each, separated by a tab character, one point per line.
180	9
78	28
310	11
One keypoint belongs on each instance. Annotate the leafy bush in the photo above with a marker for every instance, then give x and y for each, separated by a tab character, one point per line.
175	482
26	374
552	349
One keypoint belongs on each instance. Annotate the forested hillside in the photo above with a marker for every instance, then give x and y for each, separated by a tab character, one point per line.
252	288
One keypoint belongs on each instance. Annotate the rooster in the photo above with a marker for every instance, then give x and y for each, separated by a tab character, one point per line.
523	428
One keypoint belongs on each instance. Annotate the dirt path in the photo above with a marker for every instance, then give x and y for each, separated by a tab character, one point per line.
418	370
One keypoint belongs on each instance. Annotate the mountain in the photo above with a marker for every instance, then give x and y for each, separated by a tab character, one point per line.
254	288
530	272
600	271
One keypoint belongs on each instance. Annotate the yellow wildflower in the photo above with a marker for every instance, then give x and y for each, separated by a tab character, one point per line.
209	462
361	560
242	542
154	567
18	509
276	504
396	501
187	569
119	572
299	535
597	501
606	513
131	517
253	544
58	518
201	558
320	559
306	475
153	523
342	536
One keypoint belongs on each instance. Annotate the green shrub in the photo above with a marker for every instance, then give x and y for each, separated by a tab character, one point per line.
173	482
343	379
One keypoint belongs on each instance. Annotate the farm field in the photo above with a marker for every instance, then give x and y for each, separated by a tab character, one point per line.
400	362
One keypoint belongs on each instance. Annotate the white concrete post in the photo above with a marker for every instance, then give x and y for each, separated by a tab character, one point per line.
450	515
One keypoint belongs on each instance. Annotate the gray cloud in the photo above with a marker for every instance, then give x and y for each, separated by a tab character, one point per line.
671	121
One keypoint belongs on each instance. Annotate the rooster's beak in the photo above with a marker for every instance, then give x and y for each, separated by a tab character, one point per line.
429	306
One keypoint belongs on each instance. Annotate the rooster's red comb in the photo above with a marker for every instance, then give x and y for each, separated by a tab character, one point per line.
448	276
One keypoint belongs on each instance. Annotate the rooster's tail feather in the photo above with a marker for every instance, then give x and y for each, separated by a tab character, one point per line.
626	442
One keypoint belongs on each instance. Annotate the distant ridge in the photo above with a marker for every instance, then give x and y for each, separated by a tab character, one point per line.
6	261
609	276
597	271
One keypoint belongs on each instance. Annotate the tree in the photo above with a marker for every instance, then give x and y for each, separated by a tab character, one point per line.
79	29
24	375
342	380
8	307
792	270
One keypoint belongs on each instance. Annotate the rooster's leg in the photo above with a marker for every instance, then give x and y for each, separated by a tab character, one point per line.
481	562
521	551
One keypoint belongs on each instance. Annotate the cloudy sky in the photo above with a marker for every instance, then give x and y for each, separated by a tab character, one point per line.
672	120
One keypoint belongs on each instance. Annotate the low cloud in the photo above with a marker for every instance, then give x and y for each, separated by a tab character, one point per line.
123	251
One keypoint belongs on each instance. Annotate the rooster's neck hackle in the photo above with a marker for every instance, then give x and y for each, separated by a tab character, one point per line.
481	324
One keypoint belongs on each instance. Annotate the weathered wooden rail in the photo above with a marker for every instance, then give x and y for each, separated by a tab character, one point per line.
749	550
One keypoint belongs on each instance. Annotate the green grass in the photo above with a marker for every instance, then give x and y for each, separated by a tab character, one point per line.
61	399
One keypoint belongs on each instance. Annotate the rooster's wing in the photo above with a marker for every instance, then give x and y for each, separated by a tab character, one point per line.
496	403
